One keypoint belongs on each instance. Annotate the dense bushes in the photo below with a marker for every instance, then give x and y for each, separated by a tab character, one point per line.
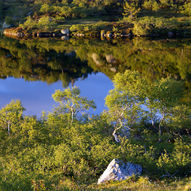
156	118
186	9
155	27
61	144
68	143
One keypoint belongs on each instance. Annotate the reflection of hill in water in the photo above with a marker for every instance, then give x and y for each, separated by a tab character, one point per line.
152	58
51	60
29	60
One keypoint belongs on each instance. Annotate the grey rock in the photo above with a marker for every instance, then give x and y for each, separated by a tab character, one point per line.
113	69
110	58
118	170
5	25
65	31
96	59
65	37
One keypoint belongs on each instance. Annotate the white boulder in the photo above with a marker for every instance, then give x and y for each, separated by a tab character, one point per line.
65	31
118	170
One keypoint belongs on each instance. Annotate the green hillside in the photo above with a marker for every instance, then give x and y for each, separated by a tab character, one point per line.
48	15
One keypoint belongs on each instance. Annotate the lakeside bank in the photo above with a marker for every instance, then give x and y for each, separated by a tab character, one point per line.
144	27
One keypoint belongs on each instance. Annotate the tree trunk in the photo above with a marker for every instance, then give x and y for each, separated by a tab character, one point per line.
8	128
115	136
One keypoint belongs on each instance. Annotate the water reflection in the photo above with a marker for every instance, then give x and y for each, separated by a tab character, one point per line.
36	96
43	65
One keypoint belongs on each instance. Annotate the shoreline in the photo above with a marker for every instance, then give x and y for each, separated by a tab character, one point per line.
109	30
101	34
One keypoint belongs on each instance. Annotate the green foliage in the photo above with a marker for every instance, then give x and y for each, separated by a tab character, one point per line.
45	22
71	102
61	11
10	116
144	26
29	23
147	109
186	9
123	102
130	8
42	152
151	5
46	8
178	159
158	26
58	152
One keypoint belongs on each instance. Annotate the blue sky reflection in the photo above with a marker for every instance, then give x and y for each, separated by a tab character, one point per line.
36	96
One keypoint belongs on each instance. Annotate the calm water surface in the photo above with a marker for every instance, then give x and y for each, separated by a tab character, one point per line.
31	70
36	96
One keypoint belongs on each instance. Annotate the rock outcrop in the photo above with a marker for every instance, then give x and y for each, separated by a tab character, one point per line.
118	170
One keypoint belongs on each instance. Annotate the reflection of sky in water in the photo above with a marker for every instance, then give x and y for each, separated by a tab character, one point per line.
36	96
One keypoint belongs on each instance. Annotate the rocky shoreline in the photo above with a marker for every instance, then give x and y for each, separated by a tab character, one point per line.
102	34
20	33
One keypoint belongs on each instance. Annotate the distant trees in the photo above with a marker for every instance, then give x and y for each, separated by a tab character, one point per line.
60	10
67	9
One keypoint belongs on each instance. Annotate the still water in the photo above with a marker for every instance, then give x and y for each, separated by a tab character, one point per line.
31	70
36	96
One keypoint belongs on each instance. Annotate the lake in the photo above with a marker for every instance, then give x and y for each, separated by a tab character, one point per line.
31	70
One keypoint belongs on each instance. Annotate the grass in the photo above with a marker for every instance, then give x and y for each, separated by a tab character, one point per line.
131	184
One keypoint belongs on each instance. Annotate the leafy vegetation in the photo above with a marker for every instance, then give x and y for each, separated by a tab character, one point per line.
52	15
68	149
69	143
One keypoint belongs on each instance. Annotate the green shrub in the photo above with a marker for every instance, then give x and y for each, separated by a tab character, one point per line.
45	22
186	9
151	5
144	27
29	23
